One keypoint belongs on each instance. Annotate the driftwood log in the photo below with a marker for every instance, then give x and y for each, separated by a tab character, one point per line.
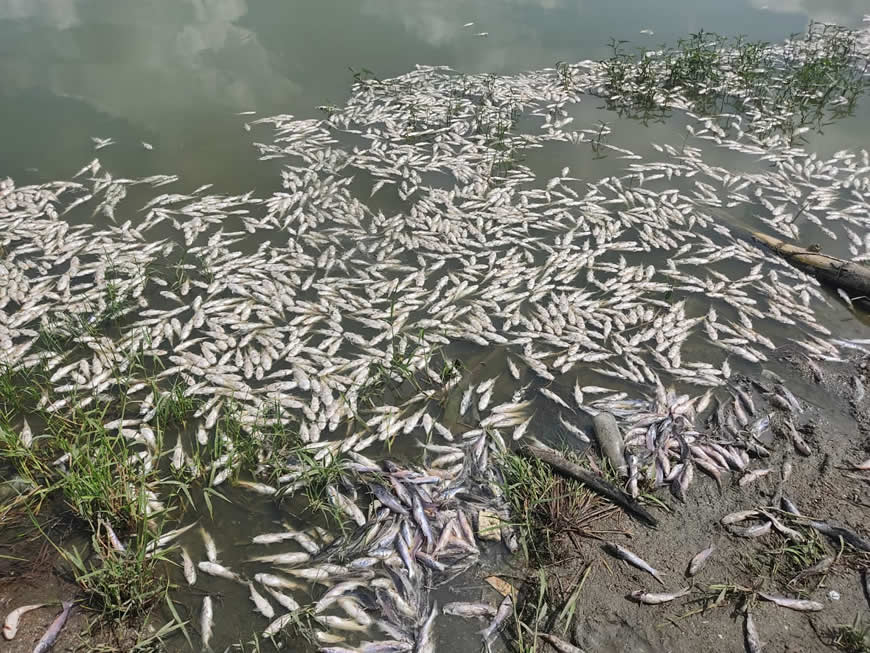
609	491
851	277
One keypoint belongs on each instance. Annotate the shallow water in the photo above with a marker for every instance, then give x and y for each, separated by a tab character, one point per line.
176	75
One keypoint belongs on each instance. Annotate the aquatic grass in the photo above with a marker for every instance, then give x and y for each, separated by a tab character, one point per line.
550	511
531	607
173	407
808	81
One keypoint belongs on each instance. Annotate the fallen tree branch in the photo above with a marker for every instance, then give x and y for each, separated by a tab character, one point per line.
609	491
838	272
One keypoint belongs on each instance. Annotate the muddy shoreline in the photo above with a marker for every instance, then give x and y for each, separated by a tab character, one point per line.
835	424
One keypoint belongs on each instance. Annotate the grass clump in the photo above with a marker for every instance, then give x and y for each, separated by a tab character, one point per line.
808	81
551	512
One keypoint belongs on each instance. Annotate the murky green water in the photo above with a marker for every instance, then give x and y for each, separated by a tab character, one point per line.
176	75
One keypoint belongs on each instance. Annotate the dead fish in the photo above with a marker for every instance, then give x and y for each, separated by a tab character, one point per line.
261	604
739	516
559	644
801	605
48	639
423	522
113	537
653	598
820	567
505	608
10	626
284	600
790	533
836	532
292	558
699	560
751	477
789	506
633	559
210	548
863	466
216	569
750	531
271	580
753	641
206	622
469	610
279	624
188	567
425	643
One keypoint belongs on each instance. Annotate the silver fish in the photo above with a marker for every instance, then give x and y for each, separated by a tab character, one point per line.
699	560
217	569
801	605
559	644
260	603
206	622
469	610
425	642
505	609
188	567
633	559
48	639
652	598
753	641
751	531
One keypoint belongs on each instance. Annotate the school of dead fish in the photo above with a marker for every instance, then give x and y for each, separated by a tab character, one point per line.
399	230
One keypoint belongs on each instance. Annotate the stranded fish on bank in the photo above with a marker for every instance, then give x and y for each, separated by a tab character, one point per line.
753	641
652	598
801	605
10	626
50	636
699	560
633	559
559	644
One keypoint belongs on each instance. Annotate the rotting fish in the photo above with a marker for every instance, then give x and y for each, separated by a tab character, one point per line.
699	560
217	569
836	532
469	610
50	636
425	642
633	559
505	609
559	644
757	530
188	567
801	605
206	622
753	641
10	625
652	598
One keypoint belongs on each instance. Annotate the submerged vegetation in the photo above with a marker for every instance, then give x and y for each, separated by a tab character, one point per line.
810	81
